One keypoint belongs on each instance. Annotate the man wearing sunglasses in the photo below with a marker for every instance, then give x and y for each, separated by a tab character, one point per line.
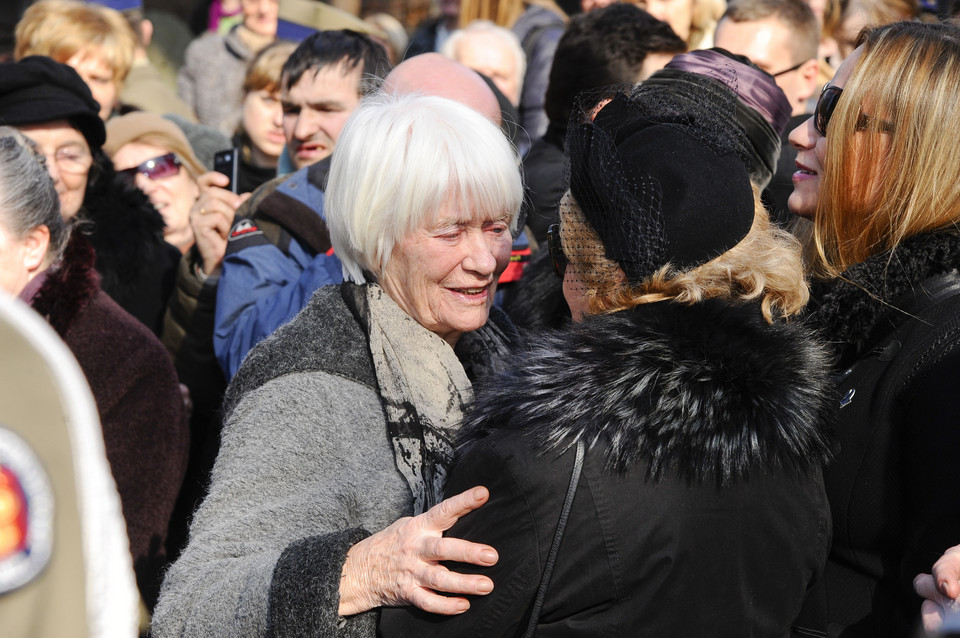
781	37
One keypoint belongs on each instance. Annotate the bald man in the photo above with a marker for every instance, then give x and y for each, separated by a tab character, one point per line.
433	74
279	252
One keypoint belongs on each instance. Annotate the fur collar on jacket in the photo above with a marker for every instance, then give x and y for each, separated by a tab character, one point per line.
69	285
709	390
121	222
846	310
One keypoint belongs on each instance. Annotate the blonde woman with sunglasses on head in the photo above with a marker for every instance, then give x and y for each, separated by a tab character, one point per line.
878	177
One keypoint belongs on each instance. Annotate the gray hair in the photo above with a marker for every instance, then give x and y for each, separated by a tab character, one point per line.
507	38
400	160
28	198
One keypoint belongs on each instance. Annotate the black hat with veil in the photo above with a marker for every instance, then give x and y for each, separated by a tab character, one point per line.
659	176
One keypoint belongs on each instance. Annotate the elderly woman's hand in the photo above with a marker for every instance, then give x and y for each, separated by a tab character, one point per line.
212	217
940	590
401	564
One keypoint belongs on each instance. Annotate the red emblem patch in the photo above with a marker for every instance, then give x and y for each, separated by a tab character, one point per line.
26	513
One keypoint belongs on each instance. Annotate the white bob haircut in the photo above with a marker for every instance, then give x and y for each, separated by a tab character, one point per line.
400	161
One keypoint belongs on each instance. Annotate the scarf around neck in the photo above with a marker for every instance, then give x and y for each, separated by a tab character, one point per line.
424	387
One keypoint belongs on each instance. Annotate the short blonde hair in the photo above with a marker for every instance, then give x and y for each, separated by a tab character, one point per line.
400	160
906	80
60	29
765	265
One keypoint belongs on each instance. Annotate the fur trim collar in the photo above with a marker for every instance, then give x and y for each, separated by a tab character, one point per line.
846	310
69	285
120	221
709	390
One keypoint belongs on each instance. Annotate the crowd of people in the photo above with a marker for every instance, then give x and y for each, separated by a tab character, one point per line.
593	319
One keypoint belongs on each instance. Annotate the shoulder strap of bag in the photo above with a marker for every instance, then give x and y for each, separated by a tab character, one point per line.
555	547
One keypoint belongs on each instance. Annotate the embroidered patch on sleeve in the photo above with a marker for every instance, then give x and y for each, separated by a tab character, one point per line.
26	513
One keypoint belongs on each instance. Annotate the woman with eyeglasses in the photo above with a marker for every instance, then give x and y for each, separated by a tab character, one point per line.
49	103
692	405
45	261
152	154
879	179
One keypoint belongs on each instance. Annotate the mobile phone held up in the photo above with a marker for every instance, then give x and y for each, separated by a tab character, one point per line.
226	162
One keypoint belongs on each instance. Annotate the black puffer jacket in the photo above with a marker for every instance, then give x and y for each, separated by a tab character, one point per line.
137	266
894	321
700	510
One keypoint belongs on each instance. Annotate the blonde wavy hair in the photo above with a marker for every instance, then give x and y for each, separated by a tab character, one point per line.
765	265
60	29
890	170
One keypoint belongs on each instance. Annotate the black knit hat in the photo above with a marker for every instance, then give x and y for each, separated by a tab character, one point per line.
762	109
36	90
659	179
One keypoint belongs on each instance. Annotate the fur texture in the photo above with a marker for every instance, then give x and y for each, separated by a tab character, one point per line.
710	390
846	310
69	287
137	266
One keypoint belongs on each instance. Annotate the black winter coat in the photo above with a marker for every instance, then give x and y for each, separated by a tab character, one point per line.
893	490
137	266
700	510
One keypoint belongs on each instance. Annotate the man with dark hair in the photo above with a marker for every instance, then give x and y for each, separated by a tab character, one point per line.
781	37
278	250
617	44
321	83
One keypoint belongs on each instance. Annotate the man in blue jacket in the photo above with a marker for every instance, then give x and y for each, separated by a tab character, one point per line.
278	252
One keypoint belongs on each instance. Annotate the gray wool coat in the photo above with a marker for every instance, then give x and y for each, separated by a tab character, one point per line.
211	79
305	470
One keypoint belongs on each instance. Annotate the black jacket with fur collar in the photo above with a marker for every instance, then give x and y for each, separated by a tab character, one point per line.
894	322
700	510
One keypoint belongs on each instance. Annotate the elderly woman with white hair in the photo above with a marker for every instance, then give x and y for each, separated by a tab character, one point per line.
325	498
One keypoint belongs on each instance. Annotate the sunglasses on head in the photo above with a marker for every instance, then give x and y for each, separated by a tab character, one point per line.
827	104
155	168
557	258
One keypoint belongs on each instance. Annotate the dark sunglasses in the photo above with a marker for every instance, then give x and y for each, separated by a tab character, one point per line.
827	104
557	258
155	168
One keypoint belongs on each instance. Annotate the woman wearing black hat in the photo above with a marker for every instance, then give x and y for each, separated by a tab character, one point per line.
51	105
698	408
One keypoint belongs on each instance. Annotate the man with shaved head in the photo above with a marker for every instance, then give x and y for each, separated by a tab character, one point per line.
279	251
433	74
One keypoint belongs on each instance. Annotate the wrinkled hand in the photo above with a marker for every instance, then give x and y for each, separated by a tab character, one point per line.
400	565
211	218
939	589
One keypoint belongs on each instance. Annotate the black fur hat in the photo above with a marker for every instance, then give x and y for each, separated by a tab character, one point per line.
37	89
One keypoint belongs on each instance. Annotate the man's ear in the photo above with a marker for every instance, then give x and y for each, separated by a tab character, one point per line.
35	245
810	72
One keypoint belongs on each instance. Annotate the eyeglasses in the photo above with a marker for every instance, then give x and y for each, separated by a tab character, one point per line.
793	68
557	258
72	159
827	104
155	168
